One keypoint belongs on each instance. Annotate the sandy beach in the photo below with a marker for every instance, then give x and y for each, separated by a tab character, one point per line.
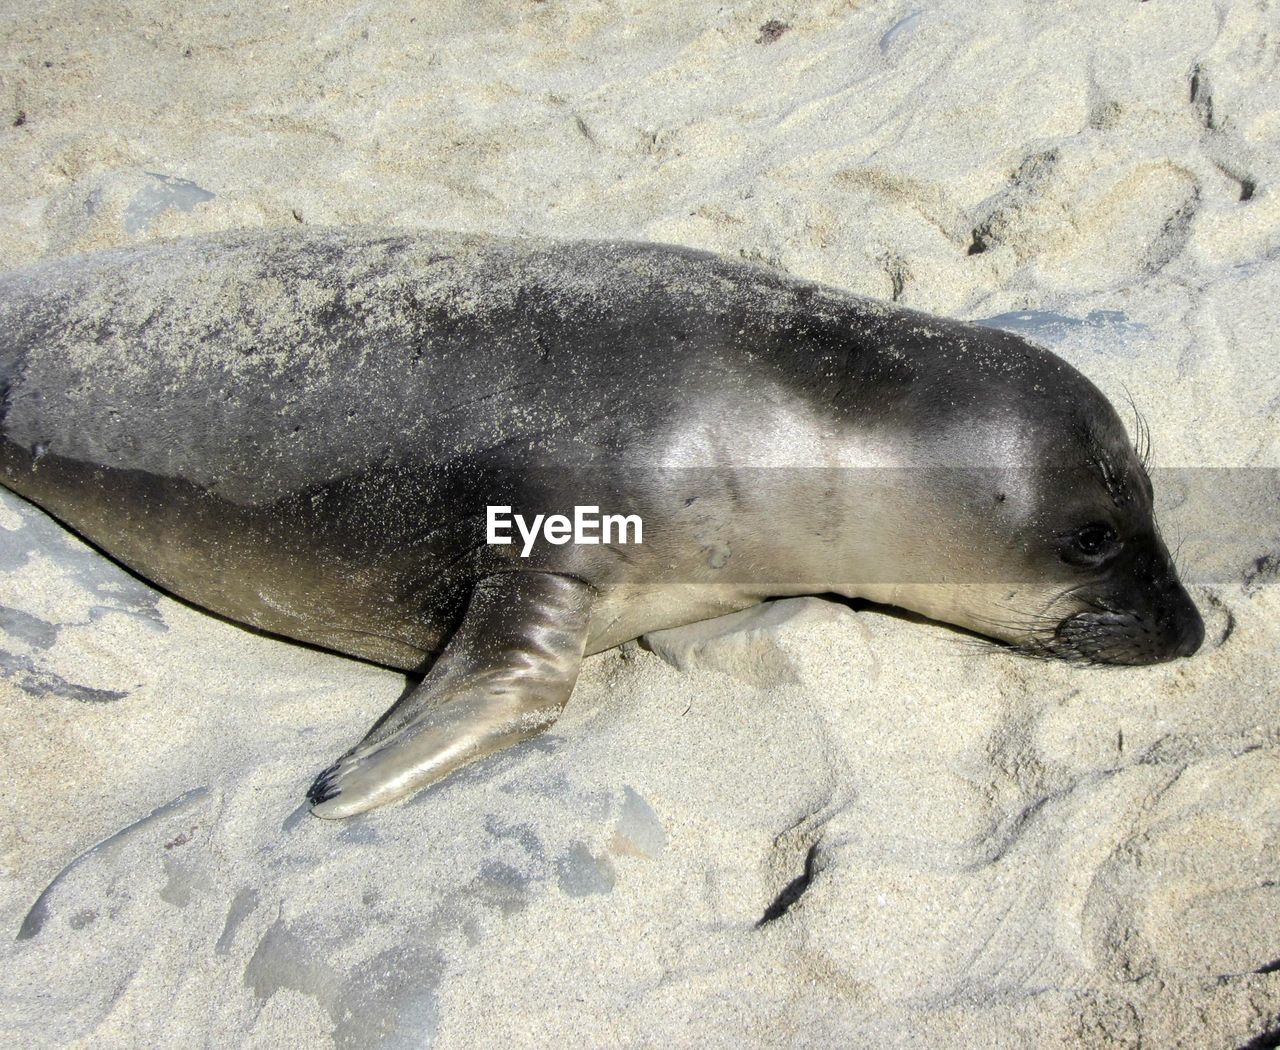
973	850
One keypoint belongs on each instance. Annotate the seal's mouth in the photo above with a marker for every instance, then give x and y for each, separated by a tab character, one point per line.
1114	636
1103	633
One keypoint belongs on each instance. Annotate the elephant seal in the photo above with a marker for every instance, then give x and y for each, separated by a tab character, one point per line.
306	431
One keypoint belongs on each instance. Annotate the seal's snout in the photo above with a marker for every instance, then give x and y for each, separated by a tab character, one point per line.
1179	625
1192	638
1189	629
1138	626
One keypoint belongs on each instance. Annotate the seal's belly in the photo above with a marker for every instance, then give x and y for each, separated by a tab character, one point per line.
625	611
289	567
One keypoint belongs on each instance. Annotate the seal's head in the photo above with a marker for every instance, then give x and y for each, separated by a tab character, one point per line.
1110	592
1033	511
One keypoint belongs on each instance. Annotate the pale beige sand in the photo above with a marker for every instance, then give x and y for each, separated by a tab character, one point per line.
1003	853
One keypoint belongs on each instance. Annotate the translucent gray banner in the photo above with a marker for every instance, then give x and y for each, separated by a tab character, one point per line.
910	525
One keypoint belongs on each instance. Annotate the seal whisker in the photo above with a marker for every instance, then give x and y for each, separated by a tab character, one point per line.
1142	432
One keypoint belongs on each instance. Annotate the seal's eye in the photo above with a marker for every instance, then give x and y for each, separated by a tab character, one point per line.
1090	544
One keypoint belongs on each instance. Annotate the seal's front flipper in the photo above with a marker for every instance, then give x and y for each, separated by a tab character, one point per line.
505	676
